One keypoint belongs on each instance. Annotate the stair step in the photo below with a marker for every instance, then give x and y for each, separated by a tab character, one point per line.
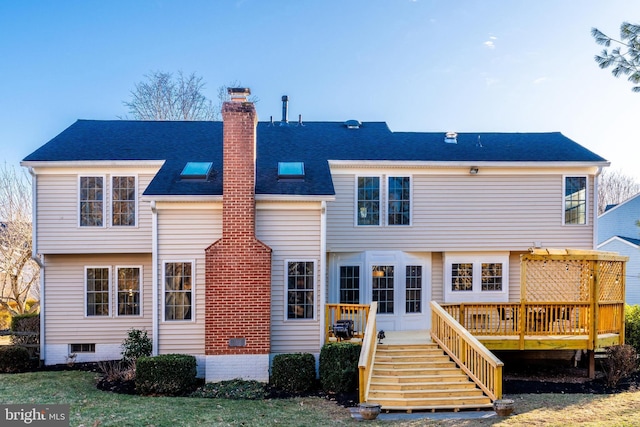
437	402
395	379
412	365
453	407
411	358
448	369
434	385
408	347
425	394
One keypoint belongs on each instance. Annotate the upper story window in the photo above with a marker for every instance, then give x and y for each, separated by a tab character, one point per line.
399	200
300	290
575	200
91	201
476	277
368	210
123	201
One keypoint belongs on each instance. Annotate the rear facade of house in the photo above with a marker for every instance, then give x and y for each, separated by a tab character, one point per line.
225	240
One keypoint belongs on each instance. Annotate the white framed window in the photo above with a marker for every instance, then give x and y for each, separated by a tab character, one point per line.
123	201
399	200
97	290
368	200
476	277
349	284
383	200
178	286
301	289
129	290
91	201
575	200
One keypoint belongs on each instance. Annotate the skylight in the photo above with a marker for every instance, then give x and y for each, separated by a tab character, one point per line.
290	170
196	170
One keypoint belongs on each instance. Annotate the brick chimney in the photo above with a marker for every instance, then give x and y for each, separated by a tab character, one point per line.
238	266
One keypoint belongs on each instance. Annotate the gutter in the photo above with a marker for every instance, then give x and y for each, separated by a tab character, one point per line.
596	181
37	258
323	269
154	278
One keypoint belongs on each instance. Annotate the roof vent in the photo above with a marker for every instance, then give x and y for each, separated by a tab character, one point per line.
451	138
352	124
285	111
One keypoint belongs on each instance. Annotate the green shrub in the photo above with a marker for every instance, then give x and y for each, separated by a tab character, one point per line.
167	374
26	328
339	367
632	326
14	358
294	372
136	345
237	389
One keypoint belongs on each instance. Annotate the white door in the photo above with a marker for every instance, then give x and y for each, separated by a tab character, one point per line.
398	281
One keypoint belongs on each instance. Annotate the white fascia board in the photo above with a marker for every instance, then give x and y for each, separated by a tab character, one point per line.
445	164
181	198
618	205
293	198
92	163
619	239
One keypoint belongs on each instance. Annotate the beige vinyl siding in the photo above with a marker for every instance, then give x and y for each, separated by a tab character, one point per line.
64	300
458	212
292	231
185	230
437	277
58	231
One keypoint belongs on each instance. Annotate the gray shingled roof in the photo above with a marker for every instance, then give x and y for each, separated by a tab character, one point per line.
314	143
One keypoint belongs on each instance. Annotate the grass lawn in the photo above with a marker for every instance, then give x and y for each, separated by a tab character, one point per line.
91	407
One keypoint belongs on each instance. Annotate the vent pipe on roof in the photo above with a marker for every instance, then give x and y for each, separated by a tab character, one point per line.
285	110
451	138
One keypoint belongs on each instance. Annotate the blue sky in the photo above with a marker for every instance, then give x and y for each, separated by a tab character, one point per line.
419	65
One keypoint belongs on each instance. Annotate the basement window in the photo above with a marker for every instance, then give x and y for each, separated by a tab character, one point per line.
290	170
196	170
82	348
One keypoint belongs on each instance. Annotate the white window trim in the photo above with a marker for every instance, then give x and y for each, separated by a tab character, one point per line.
105	192
386	204
361	289
135	200
477	259
110	287
286	289
381	200
115	291
564	189
193	291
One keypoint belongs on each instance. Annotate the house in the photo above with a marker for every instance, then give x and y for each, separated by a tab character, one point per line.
618	231
227	240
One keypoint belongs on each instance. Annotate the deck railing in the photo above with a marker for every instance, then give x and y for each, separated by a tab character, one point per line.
538	318
473	358
356	312
367	353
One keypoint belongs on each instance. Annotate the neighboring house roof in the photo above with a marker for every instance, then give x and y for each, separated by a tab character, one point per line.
314	143
628	240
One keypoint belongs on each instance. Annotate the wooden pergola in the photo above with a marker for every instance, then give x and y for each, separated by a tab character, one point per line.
569	300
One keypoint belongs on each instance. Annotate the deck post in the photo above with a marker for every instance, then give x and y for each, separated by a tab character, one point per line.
591	369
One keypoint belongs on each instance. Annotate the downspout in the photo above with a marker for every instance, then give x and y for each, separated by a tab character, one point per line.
323	269
154	278
37	258
596	207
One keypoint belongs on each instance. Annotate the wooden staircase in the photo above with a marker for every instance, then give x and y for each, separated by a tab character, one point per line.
420	377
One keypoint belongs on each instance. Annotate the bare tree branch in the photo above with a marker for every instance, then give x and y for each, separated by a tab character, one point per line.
19	273
163	97
615	187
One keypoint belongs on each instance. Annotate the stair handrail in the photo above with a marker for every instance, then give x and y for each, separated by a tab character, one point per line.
367	353
482	366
